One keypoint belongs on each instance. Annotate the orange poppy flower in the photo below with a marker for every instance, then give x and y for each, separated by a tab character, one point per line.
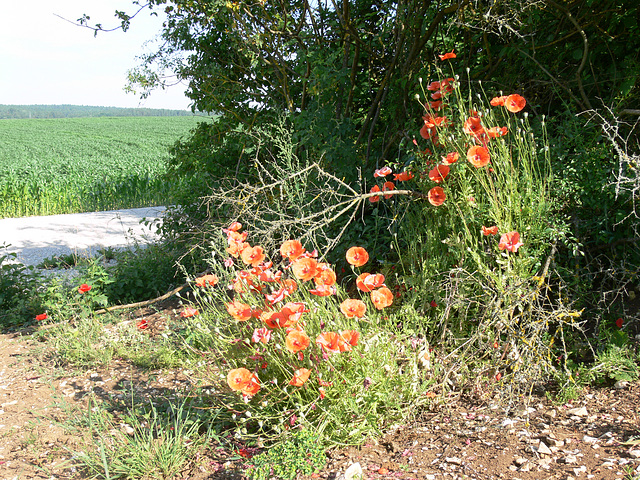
381	298
436	95
41	317
498	101
382	172
353	308
272	320
300	376
478	156
291	313
360	282
439	173
433	86
322	393
332	342
84	288
432	122
291	249
388	186
486	231
253	256
375	198
510	241
189	312
436	196
452	157
351	337
473	126
447	56
289	285
357	256
234	227
402	177
323	291
238	310
236	248
296	341
252	387
372	281
495	132
210	280
325	277
436	104
305	268
239	378
514	103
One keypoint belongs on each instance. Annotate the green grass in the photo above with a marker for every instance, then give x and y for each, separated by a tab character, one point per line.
70	165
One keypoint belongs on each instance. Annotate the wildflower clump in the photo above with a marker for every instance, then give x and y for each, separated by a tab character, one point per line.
289	339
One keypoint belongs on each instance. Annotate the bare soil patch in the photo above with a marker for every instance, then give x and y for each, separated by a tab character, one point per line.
594	437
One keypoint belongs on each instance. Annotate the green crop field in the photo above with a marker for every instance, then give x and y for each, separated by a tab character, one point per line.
70	165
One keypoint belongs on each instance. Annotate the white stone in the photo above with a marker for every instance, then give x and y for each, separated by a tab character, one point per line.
579	412
354	472
543	449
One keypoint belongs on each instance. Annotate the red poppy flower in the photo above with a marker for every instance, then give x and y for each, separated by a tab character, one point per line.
447	56
322	393
427	132
486	231
236	248
189	312
375	198
403	177
210	280
41	317
388	186
296	341
433	303
382	298
498	101
439	173
433	86
478	156
382	172
357	256
436	104
619	323
451	158
353	308
84	288
514	103
142	324
436	196
510	241
300	376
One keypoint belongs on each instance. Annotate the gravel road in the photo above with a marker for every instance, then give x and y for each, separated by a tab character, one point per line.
35	238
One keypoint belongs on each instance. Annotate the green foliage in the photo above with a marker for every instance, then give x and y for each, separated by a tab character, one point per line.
18	287
142	273
164	439
300	454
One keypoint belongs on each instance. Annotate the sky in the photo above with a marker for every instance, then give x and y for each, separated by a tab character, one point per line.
49	61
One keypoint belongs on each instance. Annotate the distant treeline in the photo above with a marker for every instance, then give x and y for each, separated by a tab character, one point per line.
70	111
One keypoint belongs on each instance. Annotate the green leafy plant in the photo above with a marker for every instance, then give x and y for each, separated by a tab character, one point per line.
300	454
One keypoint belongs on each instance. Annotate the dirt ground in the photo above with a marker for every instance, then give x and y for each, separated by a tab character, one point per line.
595	437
